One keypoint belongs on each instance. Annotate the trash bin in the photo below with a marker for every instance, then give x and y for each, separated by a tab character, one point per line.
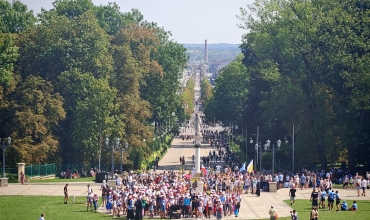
101	176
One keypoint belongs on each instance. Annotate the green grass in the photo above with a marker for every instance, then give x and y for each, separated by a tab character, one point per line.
30	207
57	180
304	208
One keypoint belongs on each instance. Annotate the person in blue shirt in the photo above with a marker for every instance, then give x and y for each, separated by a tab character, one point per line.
186	206
323	197
331	196
344	206
354	206
223	200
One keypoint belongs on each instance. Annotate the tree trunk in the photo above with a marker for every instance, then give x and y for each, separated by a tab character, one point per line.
322	156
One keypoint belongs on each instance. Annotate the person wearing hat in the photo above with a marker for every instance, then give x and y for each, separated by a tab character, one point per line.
272	213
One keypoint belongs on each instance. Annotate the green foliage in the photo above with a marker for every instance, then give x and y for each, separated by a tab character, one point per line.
12	177
8	55
85	73
205	90
37	112
236	150
188	98
304	71
15	17
230	93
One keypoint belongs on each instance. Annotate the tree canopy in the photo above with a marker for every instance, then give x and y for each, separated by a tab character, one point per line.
304	64
81	72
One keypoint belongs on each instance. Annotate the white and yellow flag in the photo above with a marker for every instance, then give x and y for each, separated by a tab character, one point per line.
250	167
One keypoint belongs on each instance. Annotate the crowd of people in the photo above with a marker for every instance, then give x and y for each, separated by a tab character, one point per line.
152	194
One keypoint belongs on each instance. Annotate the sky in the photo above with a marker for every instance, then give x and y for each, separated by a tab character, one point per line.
190	21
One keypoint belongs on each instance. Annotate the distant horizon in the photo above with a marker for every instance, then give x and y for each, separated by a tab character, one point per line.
209	43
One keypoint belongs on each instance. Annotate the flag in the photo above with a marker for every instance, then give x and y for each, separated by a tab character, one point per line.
242	168
250	167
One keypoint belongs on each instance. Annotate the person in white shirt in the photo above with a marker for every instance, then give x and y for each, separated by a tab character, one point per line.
358	185
364	184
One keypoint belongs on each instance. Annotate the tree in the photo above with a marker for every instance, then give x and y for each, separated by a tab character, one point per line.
15	17
296	53
8	55
92	109
72	8
230	92
205	90
37	113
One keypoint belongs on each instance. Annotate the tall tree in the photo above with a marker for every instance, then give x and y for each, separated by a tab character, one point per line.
37	113
15	17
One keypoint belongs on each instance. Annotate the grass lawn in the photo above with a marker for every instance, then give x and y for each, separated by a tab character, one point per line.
304	208
57	180
30	207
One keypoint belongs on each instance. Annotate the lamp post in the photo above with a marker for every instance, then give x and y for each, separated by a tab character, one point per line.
287	142
4	146
258	149
258	144
115	145
125	147
273	149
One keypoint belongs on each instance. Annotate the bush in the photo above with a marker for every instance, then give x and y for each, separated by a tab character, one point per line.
12	177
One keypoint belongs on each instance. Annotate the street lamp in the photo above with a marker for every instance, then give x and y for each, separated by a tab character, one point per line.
4	146
113	146
273	149
258	149
287	142
125	147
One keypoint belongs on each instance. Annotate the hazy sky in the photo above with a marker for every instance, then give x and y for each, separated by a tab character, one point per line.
190	21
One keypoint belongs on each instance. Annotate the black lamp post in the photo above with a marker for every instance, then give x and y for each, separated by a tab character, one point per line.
125	147
273	149
4	146
113	146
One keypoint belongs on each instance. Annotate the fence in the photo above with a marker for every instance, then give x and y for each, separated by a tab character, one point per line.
40	170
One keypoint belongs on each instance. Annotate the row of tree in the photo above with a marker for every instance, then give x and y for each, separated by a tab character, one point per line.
304	63
79	73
